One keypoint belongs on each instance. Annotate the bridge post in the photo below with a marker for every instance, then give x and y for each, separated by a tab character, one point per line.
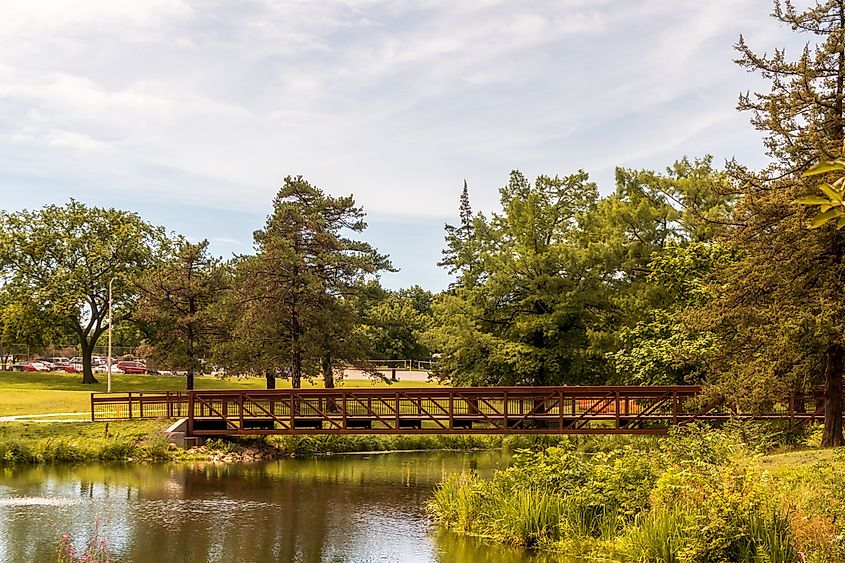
344	409
616	408
791	408
397	410
240	410
560	409
190	413
505	411
674	408
451	410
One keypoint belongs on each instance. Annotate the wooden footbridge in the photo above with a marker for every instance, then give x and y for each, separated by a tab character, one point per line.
441	410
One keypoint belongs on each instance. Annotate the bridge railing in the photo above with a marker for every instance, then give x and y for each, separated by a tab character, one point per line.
604	409
462	410
139	405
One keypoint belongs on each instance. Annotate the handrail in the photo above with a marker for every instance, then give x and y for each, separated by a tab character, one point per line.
562	409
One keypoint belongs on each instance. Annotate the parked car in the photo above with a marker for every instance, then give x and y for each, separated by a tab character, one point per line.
56	360
36	365
46	363
105	369
131	366
59	364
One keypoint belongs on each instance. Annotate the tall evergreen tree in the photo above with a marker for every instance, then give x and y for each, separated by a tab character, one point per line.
460	242
176	304
305	268
780	313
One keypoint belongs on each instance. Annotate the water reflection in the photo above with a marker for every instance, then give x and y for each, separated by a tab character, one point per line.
340	509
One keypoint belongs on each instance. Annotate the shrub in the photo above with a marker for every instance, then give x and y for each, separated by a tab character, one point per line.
698	496
13	452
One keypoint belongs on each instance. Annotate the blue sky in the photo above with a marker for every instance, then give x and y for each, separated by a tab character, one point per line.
191	113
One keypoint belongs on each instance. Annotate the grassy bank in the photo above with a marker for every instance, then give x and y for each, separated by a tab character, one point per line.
37	393
29	442
697	496
72	442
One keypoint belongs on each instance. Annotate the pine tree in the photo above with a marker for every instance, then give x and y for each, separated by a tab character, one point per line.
176	303
781	315
289	306
459	251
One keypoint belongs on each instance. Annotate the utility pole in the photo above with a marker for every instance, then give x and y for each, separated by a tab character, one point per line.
108	357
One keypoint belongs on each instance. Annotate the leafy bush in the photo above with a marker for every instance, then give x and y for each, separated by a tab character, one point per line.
115	450
697	496
13	452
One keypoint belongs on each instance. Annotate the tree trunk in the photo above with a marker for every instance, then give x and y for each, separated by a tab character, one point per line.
328	379
295	351
189	379
87	372
833	396
328	372
270	377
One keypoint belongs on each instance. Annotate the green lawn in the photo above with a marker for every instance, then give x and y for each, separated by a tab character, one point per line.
38	393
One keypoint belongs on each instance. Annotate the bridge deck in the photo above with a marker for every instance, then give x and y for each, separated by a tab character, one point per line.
441	410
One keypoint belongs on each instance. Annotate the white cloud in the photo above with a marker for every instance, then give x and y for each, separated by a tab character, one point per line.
213	102
76	141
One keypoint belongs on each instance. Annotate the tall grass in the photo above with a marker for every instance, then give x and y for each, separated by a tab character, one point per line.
656	537
529	517
769	538
457	501
693	498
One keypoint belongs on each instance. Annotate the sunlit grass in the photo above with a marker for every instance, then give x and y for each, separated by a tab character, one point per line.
24	393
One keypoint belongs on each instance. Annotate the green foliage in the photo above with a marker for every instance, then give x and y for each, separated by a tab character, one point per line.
14	452
292	302
698	496
176	306
529	517
657	536
156	446
559	282
314	445
831	206
659	232
778	313
394	324
522	311
57	262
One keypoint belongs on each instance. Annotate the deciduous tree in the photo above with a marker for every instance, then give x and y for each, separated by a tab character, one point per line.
60	259
525	314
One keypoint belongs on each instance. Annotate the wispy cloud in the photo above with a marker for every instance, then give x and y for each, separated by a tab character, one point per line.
212	103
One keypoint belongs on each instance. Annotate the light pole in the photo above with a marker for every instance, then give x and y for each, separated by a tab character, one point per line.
108	357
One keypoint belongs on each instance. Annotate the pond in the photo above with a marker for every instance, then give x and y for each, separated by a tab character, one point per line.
351	508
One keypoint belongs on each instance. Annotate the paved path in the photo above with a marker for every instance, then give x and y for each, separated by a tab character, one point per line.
401	374
47	417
